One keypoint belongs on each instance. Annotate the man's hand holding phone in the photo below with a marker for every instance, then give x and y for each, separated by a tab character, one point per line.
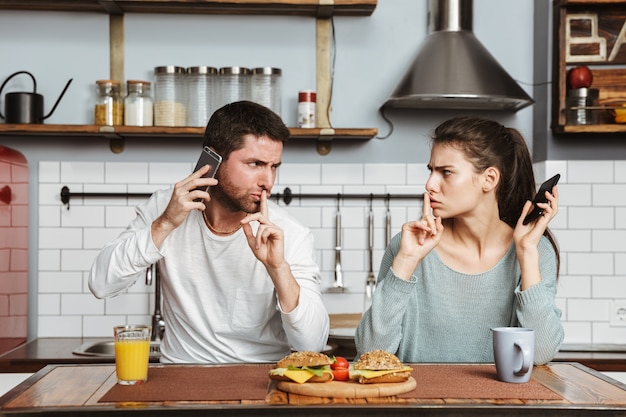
187	195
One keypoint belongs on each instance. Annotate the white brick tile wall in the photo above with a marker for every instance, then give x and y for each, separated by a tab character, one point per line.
578	332
572	195
83	216
385	174
620	263
590	228
49	304
80	304
608	286
586	172
609	195
59	326
49	260
300	173
121	172
96	238
604	333
590	218
60	282
102	326
587	310
345	174
574	286
49	172
573	240
608	240
620	171
82	172
61	238
590	264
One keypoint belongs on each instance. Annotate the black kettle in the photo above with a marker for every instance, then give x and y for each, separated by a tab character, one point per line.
25	107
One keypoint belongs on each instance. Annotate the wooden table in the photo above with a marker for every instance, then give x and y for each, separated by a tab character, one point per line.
76	389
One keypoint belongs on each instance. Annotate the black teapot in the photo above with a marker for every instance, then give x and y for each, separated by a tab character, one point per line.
22	107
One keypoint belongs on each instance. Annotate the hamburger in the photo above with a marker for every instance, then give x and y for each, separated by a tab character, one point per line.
304	366
379	366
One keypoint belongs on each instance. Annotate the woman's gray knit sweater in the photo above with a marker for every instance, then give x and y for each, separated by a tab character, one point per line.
441	315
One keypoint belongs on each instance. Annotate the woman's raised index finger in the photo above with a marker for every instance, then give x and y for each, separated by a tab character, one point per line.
426	210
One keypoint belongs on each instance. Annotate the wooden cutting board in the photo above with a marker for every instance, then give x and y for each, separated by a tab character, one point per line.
348	389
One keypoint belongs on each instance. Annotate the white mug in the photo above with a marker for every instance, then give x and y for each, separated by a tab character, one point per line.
514	353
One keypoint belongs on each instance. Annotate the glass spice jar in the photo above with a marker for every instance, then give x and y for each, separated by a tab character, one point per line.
109	108
138	108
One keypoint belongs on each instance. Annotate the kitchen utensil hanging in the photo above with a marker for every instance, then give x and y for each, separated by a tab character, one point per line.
370	284
338	282
387	224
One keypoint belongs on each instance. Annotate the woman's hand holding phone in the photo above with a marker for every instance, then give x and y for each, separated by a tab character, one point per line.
540	199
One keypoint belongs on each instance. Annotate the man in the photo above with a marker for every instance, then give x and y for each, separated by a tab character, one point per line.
238	274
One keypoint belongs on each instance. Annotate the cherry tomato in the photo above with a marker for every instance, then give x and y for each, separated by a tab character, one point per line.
341	374
340	363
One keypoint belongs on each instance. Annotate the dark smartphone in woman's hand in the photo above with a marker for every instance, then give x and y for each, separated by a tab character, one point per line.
541	198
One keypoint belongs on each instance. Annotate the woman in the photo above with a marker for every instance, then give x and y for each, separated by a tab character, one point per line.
469	264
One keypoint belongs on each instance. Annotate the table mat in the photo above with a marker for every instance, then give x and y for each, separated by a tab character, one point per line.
196	383
472	381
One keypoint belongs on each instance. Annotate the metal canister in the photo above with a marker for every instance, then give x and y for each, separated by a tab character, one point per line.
169	96
578	103
307	100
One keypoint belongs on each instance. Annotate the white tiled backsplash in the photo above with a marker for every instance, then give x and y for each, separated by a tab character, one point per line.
590	228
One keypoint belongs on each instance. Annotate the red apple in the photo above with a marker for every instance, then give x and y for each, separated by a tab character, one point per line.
579	77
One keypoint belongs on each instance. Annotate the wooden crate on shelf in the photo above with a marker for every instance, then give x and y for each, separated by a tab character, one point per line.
591	33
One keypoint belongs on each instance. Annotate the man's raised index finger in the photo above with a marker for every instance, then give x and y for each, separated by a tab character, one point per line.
263	207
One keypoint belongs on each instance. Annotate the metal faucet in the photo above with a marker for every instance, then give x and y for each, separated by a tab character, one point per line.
158	324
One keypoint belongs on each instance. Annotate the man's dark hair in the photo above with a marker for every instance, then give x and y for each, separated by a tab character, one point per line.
229	124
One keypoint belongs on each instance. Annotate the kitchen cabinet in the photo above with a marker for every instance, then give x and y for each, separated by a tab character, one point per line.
321	10
592	33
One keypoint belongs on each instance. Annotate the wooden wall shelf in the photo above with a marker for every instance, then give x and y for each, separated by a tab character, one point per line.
135	132
315	8
587	32
321	10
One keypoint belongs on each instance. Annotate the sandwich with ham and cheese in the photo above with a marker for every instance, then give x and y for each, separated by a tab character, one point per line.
379	366
304	366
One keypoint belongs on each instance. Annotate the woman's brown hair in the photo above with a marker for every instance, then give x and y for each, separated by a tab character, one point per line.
486	143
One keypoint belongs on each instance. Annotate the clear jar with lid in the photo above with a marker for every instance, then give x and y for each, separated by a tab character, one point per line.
169	96
234	84
266	89
202	94
138	107
109	108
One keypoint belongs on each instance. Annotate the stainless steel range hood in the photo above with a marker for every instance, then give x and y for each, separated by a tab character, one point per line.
453	70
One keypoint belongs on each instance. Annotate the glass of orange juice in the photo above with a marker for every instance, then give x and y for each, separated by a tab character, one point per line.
132	353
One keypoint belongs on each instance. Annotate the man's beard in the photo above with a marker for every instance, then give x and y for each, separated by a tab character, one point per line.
224	195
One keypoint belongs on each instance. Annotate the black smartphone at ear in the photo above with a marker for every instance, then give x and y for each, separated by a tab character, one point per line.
540	197
211	158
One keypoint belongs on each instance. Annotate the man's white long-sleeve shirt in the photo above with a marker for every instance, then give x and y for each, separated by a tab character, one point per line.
219	303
